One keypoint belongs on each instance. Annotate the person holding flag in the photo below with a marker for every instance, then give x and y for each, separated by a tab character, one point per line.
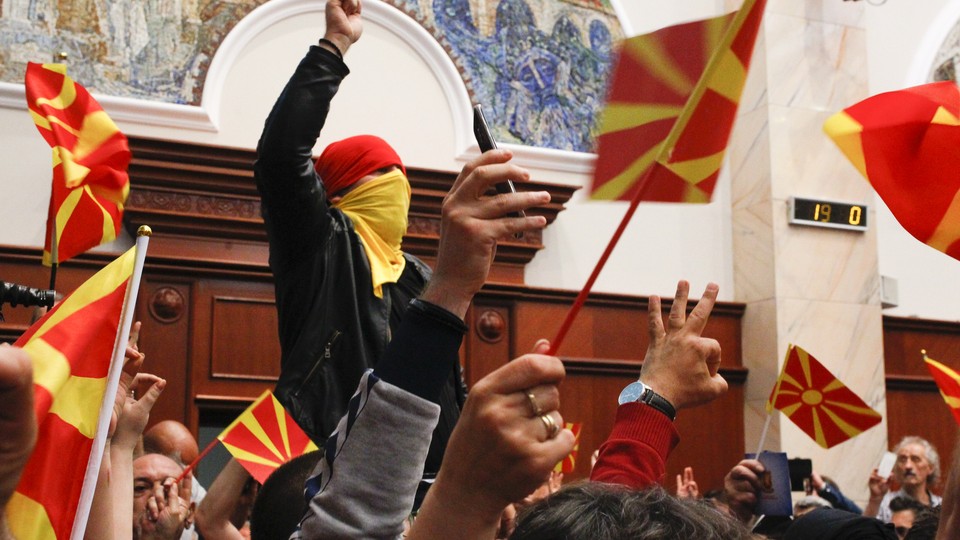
334	227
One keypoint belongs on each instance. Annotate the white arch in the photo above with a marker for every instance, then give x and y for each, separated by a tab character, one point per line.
420	40
933	39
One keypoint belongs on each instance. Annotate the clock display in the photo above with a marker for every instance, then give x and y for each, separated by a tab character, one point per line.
832	214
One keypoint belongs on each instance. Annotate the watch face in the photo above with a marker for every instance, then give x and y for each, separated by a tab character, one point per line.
632	392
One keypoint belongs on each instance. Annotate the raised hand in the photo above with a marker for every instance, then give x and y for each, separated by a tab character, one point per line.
742	486
472	222
502	449
343	23
686	486
680	365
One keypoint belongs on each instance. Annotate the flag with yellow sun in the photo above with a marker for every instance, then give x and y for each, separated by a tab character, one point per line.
818	402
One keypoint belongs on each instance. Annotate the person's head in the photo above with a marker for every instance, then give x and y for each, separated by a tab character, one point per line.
150	471
171	438
280	505
834	524
925	524
596	511
903	512
918	464
809	503
346	165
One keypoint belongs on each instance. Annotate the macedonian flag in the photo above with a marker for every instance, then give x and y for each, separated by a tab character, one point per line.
90	160
905	144
264	437
671	107
71	348
569	463
817	402
948	381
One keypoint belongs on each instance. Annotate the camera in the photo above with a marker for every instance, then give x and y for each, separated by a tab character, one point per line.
21	295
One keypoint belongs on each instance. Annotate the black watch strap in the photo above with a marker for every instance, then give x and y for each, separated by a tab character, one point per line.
659	403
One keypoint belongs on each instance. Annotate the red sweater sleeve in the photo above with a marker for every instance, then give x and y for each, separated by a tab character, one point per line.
635	453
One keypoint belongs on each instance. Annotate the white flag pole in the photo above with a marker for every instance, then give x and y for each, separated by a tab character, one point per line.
113	380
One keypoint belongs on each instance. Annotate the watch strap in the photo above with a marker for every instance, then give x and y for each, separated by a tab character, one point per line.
659	403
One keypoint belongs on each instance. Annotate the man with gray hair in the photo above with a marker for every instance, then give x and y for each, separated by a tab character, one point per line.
917	470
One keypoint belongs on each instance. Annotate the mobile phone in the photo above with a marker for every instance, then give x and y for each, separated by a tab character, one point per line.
886	464
486	141
800	471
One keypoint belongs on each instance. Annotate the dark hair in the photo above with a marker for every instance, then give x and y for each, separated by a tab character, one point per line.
280	504
924	524
899	504
596	511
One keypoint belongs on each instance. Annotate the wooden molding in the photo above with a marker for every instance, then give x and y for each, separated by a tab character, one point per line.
911	383
202	203
913	324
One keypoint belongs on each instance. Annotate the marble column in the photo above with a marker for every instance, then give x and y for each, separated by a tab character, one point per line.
816	288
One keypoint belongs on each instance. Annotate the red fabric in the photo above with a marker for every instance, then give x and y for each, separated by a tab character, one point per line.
635	454
344	162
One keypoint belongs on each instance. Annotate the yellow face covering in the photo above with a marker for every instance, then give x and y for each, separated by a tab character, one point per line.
378	210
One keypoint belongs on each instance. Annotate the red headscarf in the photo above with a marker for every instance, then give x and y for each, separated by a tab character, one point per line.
344	162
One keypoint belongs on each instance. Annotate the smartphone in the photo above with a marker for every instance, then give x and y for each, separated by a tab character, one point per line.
886	464
486	141
800	471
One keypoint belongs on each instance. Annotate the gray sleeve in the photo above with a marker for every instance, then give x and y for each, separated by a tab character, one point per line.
365	484
884	514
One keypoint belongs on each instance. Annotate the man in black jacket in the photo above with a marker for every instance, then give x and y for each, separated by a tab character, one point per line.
341	280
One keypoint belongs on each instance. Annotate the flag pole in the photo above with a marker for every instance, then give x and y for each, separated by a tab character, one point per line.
113	380
582	297
763	434
53	256
193	464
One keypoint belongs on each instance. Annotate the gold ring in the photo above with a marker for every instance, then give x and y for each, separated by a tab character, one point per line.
551	425
537	410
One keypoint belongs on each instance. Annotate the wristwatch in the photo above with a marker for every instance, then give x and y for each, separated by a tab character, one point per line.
637	391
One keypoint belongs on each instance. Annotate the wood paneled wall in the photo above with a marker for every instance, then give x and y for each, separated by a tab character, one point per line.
914	404
209	321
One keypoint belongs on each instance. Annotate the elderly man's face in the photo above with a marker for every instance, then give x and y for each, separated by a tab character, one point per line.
149	473
912	467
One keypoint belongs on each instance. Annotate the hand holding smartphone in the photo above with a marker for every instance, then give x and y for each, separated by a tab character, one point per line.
486	141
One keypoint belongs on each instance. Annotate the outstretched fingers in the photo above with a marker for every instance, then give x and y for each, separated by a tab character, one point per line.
678	311
701	313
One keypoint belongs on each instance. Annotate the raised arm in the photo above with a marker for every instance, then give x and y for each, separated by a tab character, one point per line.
294	202
216	508
502	449
681	367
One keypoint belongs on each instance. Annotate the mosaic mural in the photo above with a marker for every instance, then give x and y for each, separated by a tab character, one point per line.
538	66
948	56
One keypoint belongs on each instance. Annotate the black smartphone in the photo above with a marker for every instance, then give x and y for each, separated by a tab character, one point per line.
486	141
800	472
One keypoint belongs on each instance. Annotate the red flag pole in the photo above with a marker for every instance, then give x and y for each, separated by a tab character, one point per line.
582	297
193	465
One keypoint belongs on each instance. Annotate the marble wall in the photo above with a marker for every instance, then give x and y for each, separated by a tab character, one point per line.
816	288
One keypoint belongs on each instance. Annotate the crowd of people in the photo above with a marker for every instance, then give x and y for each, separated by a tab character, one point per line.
370	370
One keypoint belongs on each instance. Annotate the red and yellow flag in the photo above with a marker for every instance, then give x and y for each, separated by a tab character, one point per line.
817	402
671	107
569	463
71	348
264	437
90	160
902	142
948	381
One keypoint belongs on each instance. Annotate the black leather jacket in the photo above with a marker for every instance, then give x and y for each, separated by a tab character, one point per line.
332	327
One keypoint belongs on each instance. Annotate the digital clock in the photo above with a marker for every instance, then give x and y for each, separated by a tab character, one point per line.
831	214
